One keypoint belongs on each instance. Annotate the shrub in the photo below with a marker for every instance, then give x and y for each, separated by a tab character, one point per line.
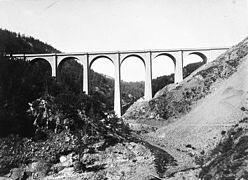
71	115
20	83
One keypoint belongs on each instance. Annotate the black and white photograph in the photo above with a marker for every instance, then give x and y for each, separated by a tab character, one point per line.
123	89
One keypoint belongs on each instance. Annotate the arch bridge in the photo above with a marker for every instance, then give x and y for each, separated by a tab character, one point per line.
118	57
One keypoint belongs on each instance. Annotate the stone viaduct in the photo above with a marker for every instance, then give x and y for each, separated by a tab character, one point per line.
117	58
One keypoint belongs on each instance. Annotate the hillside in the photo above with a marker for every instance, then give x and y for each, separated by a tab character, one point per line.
202	121
15	43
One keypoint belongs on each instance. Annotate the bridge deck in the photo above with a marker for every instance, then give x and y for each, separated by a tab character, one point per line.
122	52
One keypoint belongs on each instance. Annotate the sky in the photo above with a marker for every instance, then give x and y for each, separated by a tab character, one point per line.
110	25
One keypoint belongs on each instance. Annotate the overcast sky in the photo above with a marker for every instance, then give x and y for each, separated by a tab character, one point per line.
98	25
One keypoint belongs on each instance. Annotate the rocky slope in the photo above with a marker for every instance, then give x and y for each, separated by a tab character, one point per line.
190	119
62	156
228	160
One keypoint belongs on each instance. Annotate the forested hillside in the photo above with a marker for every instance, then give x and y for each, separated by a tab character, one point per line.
14	43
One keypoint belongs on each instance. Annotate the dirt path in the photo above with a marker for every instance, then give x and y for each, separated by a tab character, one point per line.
200	130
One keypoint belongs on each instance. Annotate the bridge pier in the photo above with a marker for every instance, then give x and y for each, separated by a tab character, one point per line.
86	75
117	90
55	67
179	67
148	80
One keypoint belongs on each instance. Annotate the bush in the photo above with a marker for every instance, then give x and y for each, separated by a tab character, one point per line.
23	83
72	112
20	83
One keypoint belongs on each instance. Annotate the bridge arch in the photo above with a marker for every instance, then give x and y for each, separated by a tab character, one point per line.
168	55
125	62
163	71
129	63
44	62
192	61
104	65
133	55
62	60
100	57
201	55
70	72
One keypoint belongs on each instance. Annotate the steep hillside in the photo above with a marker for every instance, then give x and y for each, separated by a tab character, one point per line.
202	121
229	158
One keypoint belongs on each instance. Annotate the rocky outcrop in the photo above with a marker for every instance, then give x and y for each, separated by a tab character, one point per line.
130	159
